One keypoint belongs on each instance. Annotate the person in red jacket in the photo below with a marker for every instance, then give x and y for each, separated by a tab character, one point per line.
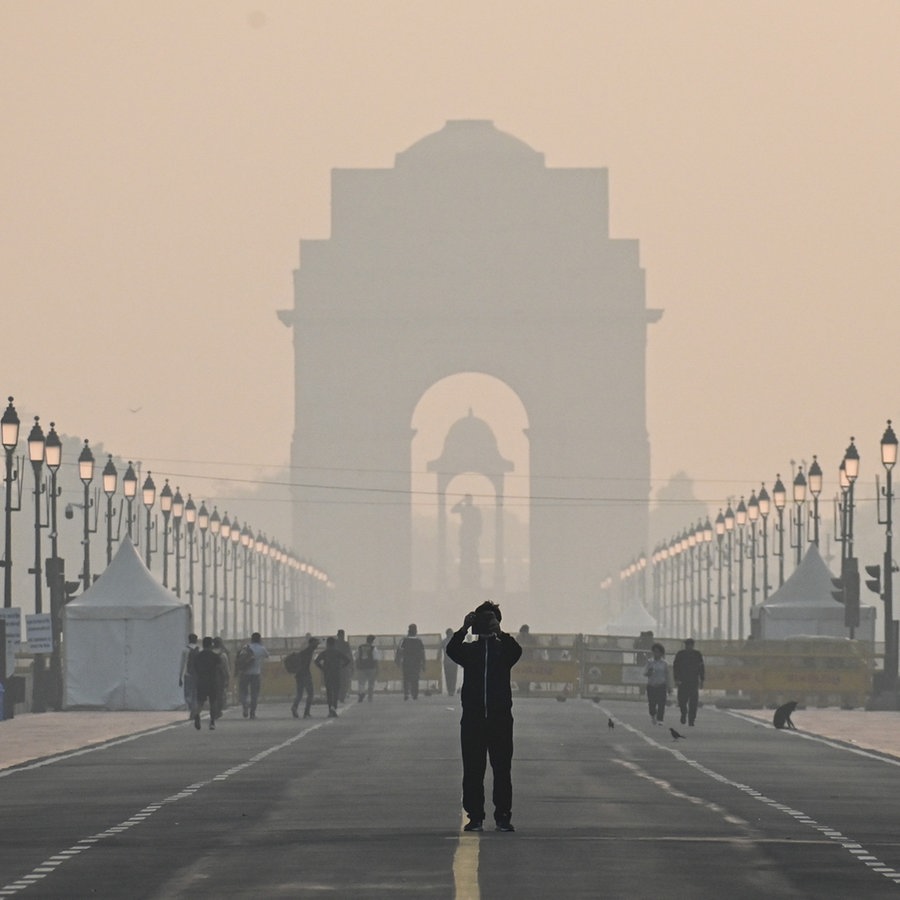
486	727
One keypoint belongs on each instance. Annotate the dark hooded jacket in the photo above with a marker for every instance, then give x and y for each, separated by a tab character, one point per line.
486	666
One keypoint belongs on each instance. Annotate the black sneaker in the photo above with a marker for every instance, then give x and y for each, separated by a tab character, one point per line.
294	712
473	825
683	718
197	721
504	825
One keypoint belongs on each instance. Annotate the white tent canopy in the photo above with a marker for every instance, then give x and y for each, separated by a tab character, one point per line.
122	640
633	620
803	606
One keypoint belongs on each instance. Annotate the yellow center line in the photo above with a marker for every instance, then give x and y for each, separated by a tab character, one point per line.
465	865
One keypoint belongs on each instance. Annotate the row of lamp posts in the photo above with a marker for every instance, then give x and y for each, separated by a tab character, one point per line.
290	591
681	568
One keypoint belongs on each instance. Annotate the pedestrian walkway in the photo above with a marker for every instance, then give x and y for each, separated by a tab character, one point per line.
38	735
869	730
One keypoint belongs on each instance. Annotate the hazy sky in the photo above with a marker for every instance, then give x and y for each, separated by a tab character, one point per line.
162	161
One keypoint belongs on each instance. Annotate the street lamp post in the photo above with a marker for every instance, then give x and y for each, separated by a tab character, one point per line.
225	532
36	456
55	574
36	444
9	434
110	482
741	519
707	539
729	530
753	518
129	490
779	498
203	525
815	488
177	516
799	494
166	501
148	496
891	637
190	516
235	564
246	537
53	459
86	474
720	534
764	506
215	524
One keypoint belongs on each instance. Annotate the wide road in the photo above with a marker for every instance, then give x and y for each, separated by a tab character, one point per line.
367	805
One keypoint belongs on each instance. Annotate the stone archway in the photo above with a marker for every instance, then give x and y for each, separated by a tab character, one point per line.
470	255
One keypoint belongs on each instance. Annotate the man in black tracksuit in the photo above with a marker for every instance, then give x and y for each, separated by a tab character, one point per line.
486	727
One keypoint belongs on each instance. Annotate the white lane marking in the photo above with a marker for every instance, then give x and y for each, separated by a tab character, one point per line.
831	833
465	865
92	748
52	863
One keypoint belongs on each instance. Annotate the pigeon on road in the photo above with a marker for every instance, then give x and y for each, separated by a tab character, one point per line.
610	723
675	734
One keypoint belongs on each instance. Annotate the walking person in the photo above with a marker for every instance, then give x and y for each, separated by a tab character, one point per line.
207	665
367	668
249	666
347	671
411	658
451	669
486	727
186	677
689	673
656	671
303	678
224	675
332	662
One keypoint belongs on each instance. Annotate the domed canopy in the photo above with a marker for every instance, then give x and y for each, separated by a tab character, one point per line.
468	141
470	446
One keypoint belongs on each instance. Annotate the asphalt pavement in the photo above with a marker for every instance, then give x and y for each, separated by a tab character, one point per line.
366	805
34	736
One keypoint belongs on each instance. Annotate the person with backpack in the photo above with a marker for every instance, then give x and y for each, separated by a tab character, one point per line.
248	664
207	667
332	661
187	678
367	667
298	663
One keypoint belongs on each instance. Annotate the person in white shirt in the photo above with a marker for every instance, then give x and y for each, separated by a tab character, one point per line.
658	683
248	684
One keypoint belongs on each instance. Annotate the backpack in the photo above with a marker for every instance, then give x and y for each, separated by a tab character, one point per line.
244	660
292	662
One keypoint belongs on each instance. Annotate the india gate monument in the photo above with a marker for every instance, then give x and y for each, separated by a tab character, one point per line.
470	420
